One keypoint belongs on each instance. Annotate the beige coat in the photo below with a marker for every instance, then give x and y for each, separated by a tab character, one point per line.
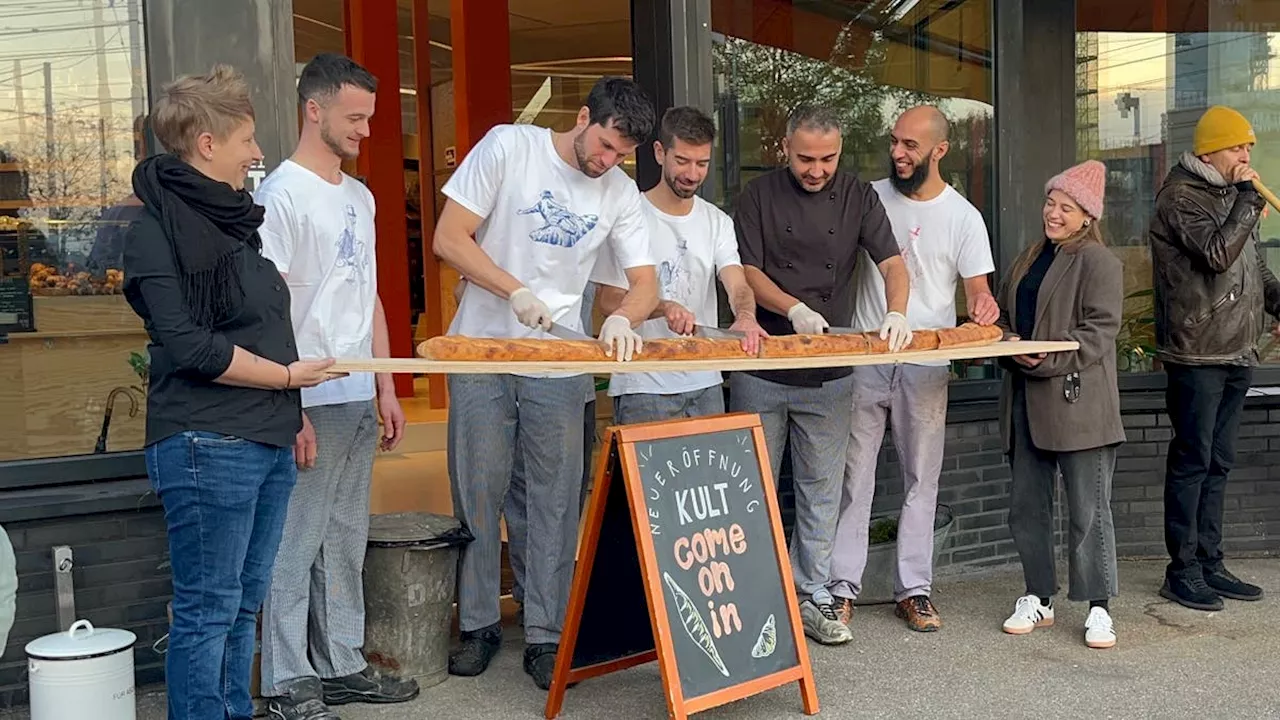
1081	299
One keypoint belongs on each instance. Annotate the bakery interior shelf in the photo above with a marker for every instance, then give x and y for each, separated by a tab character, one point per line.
422	366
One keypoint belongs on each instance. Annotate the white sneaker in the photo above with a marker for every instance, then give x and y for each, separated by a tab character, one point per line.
1099	631
1028	614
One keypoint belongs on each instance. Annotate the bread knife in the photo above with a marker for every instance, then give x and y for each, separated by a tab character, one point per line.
565	333
718	333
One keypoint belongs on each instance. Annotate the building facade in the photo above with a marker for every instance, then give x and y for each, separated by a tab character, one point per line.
1031	87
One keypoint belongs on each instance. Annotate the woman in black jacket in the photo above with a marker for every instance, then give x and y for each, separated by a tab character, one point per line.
223	407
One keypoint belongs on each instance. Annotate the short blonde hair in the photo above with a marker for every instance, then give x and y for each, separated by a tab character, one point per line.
215	103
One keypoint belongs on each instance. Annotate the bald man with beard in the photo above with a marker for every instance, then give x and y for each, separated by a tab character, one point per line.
942	239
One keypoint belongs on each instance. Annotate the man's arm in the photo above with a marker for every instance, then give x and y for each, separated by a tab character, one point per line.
1215	246
981	306
741	300
454	242
382	348
897	283
640	300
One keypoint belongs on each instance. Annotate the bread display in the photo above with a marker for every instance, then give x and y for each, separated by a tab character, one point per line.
469	349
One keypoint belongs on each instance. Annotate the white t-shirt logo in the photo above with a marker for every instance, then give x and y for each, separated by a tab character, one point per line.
351	249
562	227
673	278
911	256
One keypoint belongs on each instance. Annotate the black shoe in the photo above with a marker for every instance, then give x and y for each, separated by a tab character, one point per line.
1227	585
540	663
1192	593
369	686
478	648
301	701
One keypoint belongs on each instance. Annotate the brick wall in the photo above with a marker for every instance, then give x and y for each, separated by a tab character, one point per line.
975	485
121	580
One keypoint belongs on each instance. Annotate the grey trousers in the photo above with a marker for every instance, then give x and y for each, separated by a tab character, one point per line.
491	417
912	400
517	499
816	420
1086	477
647	407
313	617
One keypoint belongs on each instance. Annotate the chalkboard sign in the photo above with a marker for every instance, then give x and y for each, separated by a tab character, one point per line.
692	542
15	305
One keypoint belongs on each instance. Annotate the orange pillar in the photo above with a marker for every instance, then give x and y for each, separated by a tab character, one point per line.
427	188
372	41
481	68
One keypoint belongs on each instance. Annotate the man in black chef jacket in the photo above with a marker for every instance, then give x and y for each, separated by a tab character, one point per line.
799	232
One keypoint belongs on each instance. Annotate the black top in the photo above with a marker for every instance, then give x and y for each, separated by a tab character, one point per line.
185	357
1029	291
807	243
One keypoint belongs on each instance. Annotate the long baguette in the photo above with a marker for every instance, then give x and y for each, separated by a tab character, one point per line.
785	346
458	347
968	335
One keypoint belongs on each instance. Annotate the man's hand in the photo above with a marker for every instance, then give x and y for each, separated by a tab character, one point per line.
1242	173
304	447
755	334
983	309
529	310
896	330
1275	331
678	317
620	341
806	321
392	416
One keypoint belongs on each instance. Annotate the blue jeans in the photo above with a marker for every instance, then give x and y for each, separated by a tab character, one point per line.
224	502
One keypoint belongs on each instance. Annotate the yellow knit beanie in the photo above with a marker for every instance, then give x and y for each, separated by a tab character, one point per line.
1220	128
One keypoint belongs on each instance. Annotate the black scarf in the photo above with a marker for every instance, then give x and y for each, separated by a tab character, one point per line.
206	222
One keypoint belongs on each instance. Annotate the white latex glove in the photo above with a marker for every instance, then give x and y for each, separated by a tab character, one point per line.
806	321
620	341
529	310
896	330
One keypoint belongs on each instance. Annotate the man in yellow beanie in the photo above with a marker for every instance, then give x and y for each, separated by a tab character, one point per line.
1212	287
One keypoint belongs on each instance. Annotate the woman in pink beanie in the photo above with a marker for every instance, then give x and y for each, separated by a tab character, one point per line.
1067	287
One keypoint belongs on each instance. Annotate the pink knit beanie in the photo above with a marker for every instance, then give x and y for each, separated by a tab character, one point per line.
1085	183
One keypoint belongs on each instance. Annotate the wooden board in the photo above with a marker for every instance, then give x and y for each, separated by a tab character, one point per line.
683	531
419	366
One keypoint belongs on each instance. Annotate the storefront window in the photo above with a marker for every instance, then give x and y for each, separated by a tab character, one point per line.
870	61
1145	73
73	366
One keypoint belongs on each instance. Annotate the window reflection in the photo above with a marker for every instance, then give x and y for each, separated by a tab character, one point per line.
1143	79
869	60
72	126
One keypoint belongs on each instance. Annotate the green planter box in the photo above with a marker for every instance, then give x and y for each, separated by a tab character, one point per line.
882	557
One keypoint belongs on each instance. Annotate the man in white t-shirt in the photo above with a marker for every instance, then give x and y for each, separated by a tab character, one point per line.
319	231
942	239
528	210
693	243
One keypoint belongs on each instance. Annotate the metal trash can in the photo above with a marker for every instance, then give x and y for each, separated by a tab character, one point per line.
410	580
85	672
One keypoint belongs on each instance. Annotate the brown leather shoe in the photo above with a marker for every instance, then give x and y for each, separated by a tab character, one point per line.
844	610
919	613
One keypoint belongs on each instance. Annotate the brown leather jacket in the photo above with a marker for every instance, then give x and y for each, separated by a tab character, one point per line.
1211	285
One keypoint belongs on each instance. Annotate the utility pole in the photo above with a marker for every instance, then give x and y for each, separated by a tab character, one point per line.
104	97
48	129
137	68
19	106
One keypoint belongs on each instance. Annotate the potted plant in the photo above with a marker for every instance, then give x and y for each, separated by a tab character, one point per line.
880	575
1136	341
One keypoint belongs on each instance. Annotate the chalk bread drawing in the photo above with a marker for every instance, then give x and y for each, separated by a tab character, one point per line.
767	641
694	624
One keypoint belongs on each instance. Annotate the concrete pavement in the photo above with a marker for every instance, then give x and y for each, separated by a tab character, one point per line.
1169	662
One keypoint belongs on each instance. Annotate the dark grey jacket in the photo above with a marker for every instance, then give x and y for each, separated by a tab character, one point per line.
1212	288
1073	400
